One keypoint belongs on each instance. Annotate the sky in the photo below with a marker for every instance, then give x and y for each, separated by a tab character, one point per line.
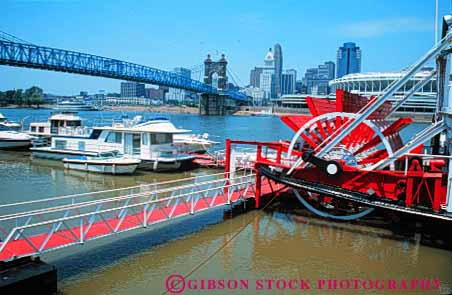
392	34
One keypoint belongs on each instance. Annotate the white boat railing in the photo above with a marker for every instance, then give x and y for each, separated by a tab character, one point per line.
36	222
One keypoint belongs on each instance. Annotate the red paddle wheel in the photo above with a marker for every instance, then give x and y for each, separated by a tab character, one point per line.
344	182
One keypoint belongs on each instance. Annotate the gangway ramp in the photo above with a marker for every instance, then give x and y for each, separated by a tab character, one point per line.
39	226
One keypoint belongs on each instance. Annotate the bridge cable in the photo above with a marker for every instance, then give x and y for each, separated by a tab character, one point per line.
197	71
13	38
229	241
236	77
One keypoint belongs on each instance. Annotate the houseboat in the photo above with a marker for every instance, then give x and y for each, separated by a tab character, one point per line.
59	123
151	142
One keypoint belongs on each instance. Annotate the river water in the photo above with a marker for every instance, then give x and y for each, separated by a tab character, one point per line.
265	246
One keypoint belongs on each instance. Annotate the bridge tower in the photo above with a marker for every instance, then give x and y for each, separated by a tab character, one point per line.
214	75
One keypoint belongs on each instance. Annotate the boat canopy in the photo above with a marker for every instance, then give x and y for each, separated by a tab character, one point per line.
152	126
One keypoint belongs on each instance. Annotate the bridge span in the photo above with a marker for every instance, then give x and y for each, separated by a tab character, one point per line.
52	59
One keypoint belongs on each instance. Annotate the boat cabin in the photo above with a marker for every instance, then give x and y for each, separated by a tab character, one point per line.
152	142
59	123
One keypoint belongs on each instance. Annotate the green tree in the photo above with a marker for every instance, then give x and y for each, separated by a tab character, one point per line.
33	96
9	96
19	97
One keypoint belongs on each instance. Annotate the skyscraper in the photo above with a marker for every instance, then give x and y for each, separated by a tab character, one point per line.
132	89
316	79
176	94
267	76
289	78
278	69
348	59
255	76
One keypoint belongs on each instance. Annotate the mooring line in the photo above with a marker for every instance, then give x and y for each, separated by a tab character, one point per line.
235	235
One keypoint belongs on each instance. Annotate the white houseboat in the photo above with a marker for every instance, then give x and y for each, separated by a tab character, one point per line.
69	123
59	123
151	142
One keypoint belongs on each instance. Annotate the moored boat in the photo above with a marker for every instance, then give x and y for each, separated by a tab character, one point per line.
12	125
106	163
10	139
59	123
75	105
193	143
151	142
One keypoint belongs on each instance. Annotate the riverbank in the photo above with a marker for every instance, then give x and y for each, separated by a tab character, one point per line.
244	111
154	109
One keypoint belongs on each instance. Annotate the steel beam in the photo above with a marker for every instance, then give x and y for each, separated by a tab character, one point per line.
60	60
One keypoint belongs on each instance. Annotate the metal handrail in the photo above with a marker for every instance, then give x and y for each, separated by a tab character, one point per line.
112	199
112	190
126	206
187	199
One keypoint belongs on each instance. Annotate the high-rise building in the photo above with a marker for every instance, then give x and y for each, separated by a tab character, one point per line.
154	93
266	77
255	75
348	59
257	95
269	60
176	94
278	69
299	87
288	82
267	83
316	79
132	89
326	71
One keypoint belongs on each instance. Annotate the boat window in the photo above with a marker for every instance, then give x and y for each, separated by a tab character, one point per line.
41	129
60	144
53	126
81	145
4	128
161	138
114	137
95	134
73	123
33	129
145	138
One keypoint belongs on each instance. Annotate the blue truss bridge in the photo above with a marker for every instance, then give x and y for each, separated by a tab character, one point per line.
23	54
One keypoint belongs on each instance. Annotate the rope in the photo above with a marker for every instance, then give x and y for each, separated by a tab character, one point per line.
235	235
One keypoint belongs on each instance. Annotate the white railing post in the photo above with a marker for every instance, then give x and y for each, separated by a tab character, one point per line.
81	231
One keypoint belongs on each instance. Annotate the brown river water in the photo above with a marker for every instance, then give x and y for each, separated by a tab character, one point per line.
258	252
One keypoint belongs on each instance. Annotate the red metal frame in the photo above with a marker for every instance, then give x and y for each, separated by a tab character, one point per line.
414	186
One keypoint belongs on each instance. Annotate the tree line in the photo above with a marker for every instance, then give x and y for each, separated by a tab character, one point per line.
29	97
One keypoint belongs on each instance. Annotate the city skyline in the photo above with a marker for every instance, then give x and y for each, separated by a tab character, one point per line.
164	47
